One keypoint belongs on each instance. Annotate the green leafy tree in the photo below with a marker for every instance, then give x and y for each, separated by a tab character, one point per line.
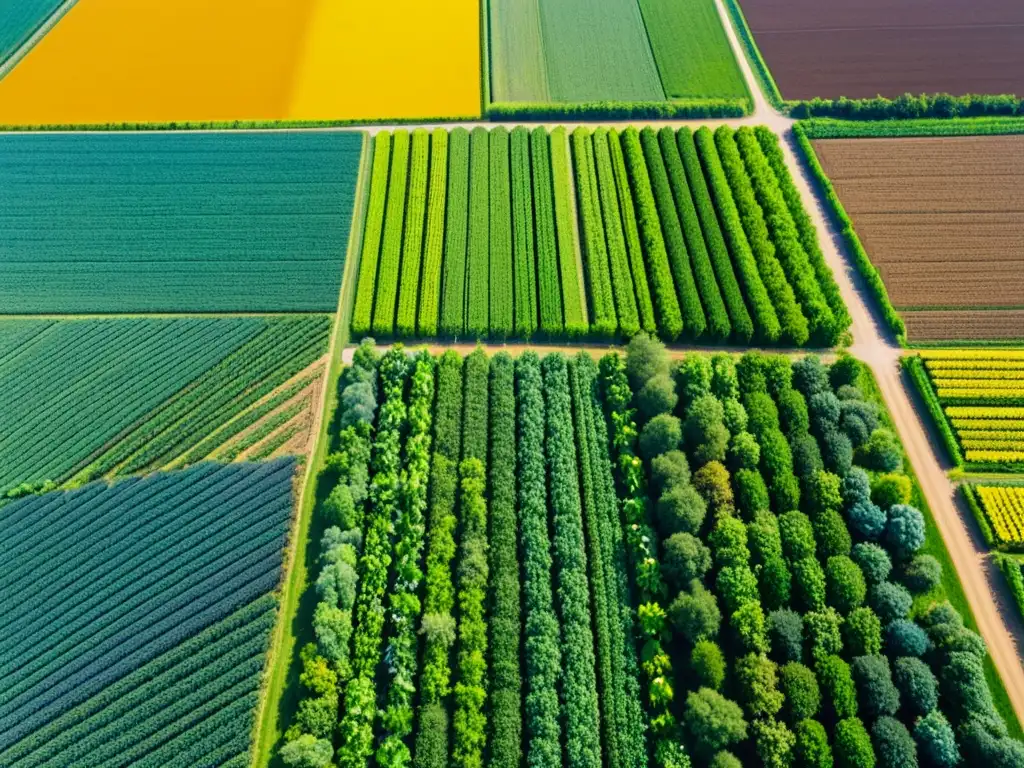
853	745
800	687
712	721
812	749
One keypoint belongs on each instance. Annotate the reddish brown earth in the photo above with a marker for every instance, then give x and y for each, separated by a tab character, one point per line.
832	48
943	220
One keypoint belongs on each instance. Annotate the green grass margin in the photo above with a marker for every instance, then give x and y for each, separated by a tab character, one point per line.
280	693
950	588
914	366
1011	570
833	128
758	65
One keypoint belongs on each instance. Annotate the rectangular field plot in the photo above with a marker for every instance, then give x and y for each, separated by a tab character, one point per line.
890	47
113	61
941	219
109	397
19	20
142	618
174	222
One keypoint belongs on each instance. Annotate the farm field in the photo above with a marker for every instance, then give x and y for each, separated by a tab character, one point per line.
177	222
162	588
694	236
1003	507
268	60
91	398
789	591
976	398
19	20
939	218
880	47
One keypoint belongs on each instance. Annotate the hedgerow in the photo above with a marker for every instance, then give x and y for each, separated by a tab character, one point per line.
478	248
475	407
572	286
670	320
453	306
717	318
501	266
765	319
409	290
679	259
362	315
549	283
391	245
505	685
433	243
579	687
595	251
742	325
523	248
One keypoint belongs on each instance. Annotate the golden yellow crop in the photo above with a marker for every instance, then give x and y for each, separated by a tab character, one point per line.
195	60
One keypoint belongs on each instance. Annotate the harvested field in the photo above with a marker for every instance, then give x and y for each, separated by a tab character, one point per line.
931	325
890	47
940	218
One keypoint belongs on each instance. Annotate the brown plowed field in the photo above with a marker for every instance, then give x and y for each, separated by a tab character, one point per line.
943	220
832	48
967	326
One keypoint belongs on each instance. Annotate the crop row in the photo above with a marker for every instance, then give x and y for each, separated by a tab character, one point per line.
1004	508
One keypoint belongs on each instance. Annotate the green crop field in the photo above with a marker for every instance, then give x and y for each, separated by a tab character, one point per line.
19	20
98	223
123	395
693	54
143	617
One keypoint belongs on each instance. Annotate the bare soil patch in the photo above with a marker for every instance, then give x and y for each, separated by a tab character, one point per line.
960	325
832	48
942	221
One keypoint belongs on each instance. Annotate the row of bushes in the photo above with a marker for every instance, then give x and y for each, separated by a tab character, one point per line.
914	366
573	301
456	236
433	240
827	128
362	315
619	110
526	268
501	266
477	311
392	241
868	271
549	281
408	280
910	107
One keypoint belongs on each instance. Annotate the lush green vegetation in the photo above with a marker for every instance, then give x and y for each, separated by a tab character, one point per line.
829	128
162	586
175	222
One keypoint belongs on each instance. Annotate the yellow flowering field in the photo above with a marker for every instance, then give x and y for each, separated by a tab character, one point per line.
195	60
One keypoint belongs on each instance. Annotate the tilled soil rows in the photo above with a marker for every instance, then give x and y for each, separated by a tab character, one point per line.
942	220
830	48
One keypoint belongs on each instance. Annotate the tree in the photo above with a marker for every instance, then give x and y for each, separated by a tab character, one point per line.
657	396
708	664
307	752
825	410
696	374
785	635
793	412
757	679
845	372
685	558
917	685
774	743
810	376
704	430
867	520
669	470
837	684
735	416
695	614
744	452
728	540
893	744
713	721
725	760
836	451
905	638
905	530
751	492
681	510
776	582
785	490
806	455
712	482
660	435
858	419
832	535
882	452
823	493
923	573
845	585
645	359
824	631
874	562
812	749
764	536
778	373
810	583
339	507
800	687
876	692
853	745
856	487
725	383
863	632
797	535
751	372
936	740
891	489
749	624
891	601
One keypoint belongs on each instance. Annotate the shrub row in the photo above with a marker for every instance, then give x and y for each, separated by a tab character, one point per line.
391	244
549	283
620	110
910	107
793	323
764	316
914	366
825	128
542	649
478	250
579	680
573	300
433	244
739	317
525	255
670	320
409	289
501	266
505	679
453	306
362	316
404	601
595	244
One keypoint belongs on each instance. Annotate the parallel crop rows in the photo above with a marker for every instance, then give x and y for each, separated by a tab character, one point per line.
699	237
160	585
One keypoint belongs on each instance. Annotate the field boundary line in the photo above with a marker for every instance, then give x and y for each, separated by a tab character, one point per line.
34	39
277	665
